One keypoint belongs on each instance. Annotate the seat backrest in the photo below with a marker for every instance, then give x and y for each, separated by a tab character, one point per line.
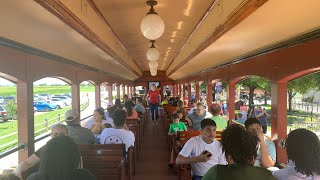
103	148
184	136
105	161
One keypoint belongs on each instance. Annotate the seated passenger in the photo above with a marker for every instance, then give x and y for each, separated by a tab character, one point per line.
194	119
98	122
267	151
34	159
193	106
203	151
240	119
139	107
240	149
180	107
220	121
303	152
60	159
166	100
173	129
118	134
79	134
131	114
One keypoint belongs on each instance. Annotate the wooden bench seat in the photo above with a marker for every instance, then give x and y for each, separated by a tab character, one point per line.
109	157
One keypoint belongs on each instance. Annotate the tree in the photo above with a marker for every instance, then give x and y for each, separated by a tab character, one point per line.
253	83
266	86
302	85
11	108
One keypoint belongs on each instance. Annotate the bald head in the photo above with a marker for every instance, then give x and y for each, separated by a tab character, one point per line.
215	109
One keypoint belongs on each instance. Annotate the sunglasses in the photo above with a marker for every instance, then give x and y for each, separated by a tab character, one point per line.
283	143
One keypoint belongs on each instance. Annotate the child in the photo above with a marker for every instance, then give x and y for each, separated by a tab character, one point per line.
174	128
240	119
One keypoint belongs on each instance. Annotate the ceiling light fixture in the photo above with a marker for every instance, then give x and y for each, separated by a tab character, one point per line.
153	53
152	25
153	64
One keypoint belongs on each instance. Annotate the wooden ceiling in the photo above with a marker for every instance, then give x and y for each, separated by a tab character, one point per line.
105	34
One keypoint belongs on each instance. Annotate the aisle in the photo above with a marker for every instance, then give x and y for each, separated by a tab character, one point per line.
153	159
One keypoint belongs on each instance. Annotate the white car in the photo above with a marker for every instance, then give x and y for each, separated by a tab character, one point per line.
1	100
60	103
64	99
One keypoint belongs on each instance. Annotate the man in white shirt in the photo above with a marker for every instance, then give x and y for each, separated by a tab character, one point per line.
118	134
203	151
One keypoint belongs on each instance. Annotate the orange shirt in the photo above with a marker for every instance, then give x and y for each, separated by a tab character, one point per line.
134	115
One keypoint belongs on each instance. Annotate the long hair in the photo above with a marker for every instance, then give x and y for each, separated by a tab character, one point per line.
240	144
60	157
303	148
128	106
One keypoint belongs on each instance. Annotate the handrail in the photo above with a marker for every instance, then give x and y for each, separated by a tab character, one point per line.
13	150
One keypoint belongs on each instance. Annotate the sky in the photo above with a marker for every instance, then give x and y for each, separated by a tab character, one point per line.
48	81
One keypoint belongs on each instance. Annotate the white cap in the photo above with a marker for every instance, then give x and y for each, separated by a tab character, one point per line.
71	115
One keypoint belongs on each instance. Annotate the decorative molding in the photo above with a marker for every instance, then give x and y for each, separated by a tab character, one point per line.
58	9
22	47
313	35
235	18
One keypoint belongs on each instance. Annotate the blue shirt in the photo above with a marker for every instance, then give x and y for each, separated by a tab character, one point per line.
241	120
271	150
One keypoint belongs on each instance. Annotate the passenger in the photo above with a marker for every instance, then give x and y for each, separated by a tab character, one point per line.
196	117
131	114
79	134
34	159
117	104
154	96
125	99
240	118
220	121
118	134
180	107
166	100
98	122
193	106
240	149
203	151
60	159
175	101
173	129
139	107
266	152
303	152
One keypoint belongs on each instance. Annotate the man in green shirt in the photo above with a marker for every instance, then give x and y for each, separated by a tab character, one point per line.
240	149
219	120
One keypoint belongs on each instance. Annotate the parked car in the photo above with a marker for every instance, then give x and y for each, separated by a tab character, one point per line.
10	98
59	102
45	96
3	114
1	100
65	99
42	106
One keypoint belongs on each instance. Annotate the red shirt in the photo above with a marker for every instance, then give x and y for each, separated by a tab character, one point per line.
153	97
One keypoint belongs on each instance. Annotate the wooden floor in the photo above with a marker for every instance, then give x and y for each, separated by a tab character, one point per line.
153	160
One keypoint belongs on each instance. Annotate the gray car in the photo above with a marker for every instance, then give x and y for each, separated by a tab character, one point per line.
3	114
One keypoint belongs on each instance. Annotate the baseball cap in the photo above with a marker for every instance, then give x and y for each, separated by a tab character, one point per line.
71	115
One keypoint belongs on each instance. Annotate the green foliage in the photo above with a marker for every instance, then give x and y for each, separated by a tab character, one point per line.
302	85
11	108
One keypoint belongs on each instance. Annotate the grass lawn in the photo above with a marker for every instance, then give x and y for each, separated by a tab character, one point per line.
12	126
12	90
